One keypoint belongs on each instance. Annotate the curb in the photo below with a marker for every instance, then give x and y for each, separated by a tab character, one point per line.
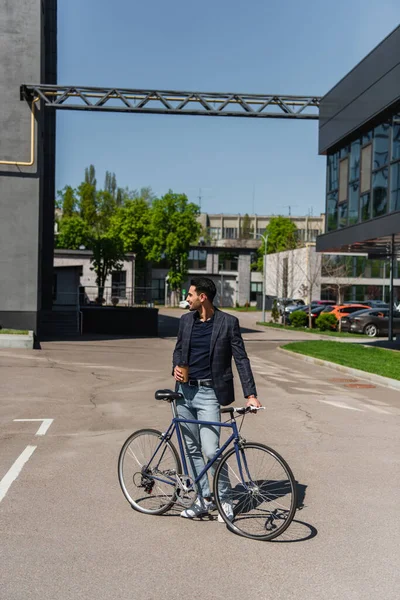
394	384
17	341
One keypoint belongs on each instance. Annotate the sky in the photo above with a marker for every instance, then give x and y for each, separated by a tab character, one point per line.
261	166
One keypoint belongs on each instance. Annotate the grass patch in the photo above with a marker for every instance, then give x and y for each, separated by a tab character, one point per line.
14	331
311	331
372	360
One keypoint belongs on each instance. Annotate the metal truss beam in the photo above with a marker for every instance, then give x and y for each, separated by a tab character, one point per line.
163	102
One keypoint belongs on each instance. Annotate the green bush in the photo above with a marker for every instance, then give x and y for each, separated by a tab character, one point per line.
299	318
326	321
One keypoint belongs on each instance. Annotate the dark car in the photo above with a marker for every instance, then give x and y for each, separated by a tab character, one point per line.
374	322
284	303
371	303
346	321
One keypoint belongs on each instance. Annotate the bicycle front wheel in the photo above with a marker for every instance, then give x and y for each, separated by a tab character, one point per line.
147	469
260	488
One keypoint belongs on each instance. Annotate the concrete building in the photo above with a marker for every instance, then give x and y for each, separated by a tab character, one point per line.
225	230
225	254
307	274
28	52
73	271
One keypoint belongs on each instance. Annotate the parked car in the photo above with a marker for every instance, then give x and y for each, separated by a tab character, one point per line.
374	322
183	304
283	303
322	303
343	310
346	321
371	303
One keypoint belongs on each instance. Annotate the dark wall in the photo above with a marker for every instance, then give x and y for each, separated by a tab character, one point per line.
120	320
27	55
369	89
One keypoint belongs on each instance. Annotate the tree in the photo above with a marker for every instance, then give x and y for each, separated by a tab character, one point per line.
310	267
108	256
105	209
90	176
87	203
246	230
173	226
281	236
73	232
110	184
67	201
131	223
338	271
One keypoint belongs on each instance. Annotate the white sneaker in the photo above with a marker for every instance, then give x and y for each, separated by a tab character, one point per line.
199	507
228	510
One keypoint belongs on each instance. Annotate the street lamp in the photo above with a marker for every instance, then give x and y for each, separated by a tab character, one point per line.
265	240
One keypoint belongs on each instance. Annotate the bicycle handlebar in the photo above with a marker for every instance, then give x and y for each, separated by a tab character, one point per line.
241	410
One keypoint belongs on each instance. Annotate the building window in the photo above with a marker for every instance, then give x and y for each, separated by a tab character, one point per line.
118	284
365	206
381	146
255	288
214	233
366	155
343	179
395	187
158	290
379	192
396	142
228	261
332	172
230	233
197	259
343	214
332	210
353	202
355	157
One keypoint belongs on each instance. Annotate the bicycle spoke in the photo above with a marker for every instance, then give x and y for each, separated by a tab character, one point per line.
262	491
142	463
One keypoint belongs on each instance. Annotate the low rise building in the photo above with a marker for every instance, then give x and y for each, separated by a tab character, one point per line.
307	274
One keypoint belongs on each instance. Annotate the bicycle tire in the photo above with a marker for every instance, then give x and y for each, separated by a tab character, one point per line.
254	501
165	493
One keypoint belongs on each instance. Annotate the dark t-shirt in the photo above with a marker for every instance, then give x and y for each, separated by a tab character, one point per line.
199	352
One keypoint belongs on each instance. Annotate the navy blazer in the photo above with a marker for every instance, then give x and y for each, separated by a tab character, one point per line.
226	341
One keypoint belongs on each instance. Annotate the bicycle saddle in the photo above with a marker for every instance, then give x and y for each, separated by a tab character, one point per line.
168	395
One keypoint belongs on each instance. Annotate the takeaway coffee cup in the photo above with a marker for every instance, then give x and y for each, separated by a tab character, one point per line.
185	373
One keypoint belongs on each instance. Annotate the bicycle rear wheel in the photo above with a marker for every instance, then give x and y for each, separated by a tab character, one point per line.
147	468
261	489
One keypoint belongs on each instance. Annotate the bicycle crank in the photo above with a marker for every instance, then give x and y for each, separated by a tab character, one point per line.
186	492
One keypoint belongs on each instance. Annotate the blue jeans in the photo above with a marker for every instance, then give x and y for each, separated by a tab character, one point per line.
200	403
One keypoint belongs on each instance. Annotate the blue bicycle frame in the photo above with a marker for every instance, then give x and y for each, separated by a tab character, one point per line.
175	426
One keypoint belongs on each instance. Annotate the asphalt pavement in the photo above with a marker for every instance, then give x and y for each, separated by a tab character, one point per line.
68	533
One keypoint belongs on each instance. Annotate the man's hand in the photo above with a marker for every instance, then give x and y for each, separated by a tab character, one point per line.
253	401
178	374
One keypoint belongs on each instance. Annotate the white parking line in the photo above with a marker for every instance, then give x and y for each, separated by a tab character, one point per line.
44	426
340	405
15	470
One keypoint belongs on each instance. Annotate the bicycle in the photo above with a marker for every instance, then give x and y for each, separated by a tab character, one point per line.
259	482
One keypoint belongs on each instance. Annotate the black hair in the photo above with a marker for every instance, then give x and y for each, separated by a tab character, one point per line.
206	286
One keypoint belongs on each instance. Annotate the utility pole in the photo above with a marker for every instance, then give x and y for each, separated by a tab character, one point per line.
264	283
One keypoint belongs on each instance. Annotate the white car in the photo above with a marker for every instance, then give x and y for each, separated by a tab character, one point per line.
184	304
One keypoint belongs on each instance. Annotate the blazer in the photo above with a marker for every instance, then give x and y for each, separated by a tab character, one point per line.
226	341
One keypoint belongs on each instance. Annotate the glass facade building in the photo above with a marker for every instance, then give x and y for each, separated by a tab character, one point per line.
363	177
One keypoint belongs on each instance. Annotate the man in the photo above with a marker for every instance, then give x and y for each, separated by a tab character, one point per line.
207	340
